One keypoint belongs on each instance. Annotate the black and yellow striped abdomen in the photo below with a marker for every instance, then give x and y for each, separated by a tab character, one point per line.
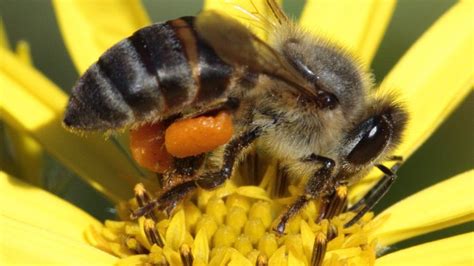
156	71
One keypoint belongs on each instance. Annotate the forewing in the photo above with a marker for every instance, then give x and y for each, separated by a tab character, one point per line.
236	45
261	14
276	11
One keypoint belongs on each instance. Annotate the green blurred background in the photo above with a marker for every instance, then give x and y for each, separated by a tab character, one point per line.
448	152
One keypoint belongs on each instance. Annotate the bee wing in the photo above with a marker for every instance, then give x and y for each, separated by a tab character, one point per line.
256	13
277	12
235	44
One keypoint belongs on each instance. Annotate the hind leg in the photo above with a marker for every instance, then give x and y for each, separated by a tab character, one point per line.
207	180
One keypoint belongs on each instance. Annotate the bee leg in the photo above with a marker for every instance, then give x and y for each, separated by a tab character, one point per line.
375	193
230	103
294	208
184	170
381	183
317	183
167	201
396	158
232	151
333	204
171	198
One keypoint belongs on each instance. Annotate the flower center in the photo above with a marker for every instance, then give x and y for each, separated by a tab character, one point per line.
235	224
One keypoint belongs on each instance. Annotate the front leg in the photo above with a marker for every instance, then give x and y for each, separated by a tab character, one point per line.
320	182
375	193
381	187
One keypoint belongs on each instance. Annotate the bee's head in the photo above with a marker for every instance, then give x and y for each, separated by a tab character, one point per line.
375	135
379	123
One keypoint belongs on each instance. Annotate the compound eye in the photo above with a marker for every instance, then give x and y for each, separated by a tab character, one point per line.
375	136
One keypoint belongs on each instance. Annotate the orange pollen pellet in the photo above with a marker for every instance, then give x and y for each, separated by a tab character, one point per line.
193	136
148	149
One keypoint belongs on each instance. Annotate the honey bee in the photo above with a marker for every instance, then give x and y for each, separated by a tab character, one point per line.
305	101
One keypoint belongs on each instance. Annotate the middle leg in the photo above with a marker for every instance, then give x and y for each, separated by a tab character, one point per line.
320	182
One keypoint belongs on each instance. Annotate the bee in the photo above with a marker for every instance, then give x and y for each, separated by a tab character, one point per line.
303	100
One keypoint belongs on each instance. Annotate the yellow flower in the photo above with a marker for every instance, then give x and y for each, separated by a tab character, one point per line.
38	219
32	219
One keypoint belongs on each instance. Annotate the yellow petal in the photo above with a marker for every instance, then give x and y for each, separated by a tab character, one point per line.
432	77
91	27
24	52
28	159
294	259
34	105
357	25
30	79
456	250
253	192
29	205
201	247
220	192
3	36
278	258
307	238
221	257
26	243
237	259
344	253
435	74
172	256
176	231
133	260
445	204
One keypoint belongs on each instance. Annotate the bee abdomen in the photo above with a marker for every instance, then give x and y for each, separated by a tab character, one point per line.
151	74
